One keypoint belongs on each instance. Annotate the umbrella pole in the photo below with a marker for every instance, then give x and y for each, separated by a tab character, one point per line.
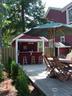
54	42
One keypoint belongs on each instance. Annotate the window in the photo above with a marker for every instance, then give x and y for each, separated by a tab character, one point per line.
62	39
70	15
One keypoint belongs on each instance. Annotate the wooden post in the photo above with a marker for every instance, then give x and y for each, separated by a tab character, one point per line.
17	51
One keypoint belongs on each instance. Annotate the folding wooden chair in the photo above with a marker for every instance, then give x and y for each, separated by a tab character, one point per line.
61	73
48	63
56	69
50	67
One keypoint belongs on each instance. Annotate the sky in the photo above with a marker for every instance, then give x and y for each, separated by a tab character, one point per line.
55	3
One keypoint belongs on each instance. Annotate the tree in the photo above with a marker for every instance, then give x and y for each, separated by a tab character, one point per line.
36	12
21	15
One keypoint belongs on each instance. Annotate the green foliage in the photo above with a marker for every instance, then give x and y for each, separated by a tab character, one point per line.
8	66
1	72
22	83
6	38
36	12
15	10
19	77
14	70
19	15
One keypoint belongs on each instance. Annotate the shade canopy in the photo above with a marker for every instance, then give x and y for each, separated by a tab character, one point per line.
42	30
52	24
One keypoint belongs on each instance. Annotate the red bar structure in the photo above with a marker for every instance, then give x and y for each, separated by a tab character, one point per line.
30	58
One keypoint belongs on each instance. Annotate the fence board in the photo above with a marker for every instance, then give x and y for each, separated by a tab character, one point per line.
49	52
6	53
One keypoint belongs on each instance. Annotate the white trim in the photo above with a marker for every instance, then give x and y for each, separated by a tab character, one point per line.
64	47
60	45
24	40
17	37
29	40
66	7
44	38
16	51
67	16
67	13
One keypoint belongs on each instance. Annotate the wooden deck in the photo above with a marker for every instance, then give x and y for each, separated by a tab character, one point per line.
49	86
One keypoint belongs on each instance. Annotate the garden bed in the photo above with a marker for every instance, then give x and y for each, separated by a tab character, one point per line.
14	82
8	89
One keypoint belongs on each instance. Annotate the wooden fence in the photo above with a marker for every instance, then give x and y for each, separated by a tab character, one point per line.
6	53
49	52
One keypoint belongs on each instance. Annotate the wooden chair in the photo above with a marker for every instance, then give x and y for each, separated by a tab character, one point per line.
56	69
62	73
33	61
25	60
49	67
49	64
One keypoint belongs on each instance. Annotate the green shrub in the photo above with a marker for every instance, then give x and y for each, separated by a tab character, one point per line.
22	84
8	66
14	70
1	72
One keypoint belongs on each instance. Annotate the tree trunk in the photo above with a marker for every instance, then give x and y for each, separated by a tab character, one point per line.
23	18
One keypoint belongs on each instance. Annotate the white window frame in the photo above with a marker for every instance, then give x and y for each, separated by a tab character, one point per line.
67	15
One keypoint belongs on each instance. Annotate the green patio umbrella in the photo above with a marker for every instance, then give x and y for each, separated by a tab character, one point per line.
52	27
50	30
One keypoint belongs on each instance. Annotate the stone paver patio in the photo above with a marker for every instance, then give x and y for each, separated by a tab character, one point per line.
49	86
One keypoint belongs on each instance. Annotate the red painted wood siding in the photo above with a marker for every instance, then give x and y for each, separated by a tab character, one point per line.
57	16
68	39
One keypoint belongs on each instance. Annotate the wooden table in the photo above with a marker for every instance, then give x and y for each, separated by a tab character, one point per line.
67	61
63	60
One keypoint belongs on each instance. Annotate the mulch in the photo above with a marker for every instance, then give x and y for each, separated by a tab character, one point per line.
6	87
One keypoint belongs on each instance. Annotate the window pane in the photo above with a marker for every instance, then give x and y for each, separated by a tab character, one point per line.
70	15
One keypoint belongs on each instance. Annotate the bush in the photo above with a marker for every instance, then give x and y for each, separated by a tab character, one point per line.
19	77
14	70
8	66
22	84
1	72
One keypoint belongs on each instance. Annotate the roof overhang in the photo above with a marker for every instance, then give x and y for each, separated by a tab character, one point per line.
29	40
60	45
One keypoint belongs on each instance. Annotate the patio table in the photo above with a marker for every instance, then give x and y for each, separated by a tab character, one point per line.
63	60
67	61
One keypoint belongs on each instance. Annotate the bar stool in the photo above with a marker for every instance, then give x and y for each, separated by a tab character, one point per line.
33	60
40	60
25	60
